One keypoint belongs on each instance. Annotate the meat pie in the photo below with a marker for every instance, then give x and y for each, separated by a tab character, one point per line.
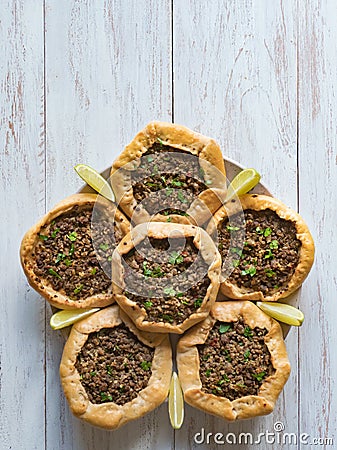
166	276
169	173
234	364
111	372
67	255
266	248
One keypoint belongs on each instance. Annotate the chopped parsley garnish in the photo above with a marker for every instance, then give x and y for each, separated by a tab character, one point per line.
43	237
269	254
176	258
231	228
55	274
149	159
250	271
67	262
105	397
208	372
60	257
167	317
72	236
246	355
237	251
93	271
146	365
235	262
148	304
197	303
181	197
72	249
273	244
155	170
92	374
155	273
267	232
270	273
176	183
169	291
225	377
54	233
104	247
168	191
258	230
169	219
248	332
78	289
259	376
224	328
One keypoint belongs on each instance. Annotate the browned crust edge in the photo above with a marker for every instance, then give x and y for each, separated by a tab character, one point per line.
189	365
163	230
181	138
307	252
28	243
110	415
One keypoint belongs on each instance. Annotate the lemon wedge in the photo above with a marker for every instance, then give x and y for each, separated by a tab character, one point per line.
282	312
95	180
176	403
67	317
242	183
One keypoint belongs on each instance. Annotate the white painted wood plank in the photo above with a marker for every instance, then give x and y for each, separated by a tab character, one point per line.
317	201
108	69
235	79
22	201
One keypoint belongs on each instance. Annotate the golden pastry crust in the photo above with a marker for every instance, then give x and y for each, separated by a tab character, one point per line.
189	365
181	138
110	415
307	250
31	238
162	230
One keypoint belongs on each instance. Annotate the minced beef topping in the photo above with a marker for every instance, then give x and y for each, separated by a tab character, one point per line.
66	258
114	366
169	282
270	253
176	179
234	360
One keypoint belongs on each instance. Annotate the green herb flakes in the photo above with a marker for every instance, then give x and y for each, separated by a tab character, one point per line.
146	365
176	258
259	376
224	328
72	236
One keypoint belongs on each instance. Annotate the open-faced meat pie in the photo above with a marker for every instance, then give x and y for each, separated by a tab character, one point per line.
169	173
111	372
64	254
274	257
234	364
166	276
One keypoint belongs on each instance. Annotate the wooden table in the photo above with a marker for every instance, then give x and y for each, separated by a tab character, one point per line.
78	80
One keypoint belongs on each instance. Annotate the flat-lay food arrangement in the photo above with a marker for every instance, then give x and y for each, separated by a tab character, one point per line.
163	253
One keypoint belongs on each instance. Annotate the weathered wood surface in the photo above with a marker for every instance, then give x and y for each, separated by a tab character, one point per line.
78	80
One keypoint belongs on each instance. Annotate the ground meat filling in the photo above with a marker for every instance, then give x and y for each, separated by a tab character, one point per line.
183	278
114	366
270	253
176	179
234	360
66	258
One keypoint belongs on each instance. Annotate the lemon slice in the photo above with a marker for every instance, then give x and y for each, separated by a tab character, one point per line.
67	317
242	183
176	403
95	180
282	312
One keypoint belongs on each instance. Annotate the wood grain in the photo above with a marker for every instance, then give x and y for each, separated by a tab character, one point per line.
317	202
22	201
